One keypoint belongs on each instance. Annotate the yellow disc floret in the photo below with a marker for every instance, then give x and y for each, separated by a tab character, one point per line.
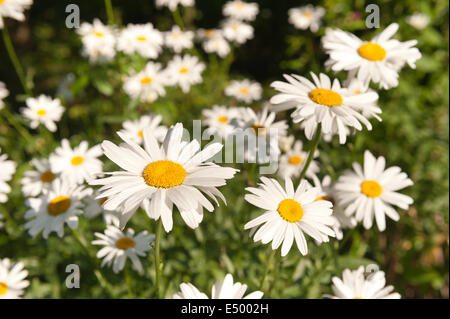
371	188
47	177
164	174
223	119
58	205
77	160
146	80
184	70
295	160
326	97
258	129
41	112
3	286
290	210
372	51
125	243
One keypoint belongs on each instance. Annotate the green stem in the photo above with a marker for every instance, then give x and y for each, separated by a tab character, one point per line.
311	152
19	127
15	61
275	275
266	270
109	12
228	59
177	17
158	257
128	281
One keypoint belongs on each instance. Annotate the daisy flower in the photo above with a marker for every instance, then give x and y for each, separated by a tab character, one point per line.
78	164
354	286
293	161
245	90
148	84
185	71
306	17
94	208
13	9
172	4
157	177
142	39
237	31
221	120
418	20
7	170
98	41
323	102
378	60
370	192
36	181
59	205
205	34
225	289
12	278
216	44
240	10
289	214
356	87
3	93
178	40
119	246
133	129
43	110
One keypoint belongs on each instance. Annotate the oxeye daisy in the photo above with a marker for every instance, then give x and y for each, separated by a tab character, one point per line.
289	214
172	4
356	87
205	34
13	9
225	289
378	60
240	10
293	161
237	31
7	170
418	20
134	130
142	39
119	246
286	142
157	177
3	93
78	164
306	17
370	192
94	208
12	279
43	110
221	119
245	90
216	44
98	41
185	71
148	84
354	285
323	102
178	40
59	205
34	182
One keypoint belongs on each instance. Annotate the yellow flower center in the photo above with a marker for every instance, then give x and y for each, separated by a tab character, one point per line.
47	177
209	33
235	27
3	286
244	90
141	133
326	97
290	210
372	51
357	92
258	129
184	70
146	80
175	35
223	119
99	34
164	174
307	14
41	112
77	160
141	38
101	201
1	1
328	198
357	298
239	5
295	160
58	205
125	243
371	188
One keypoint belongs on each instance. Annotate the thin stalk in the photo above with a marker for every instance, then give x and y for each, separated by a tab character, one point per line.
177	17
19	127
266	270
275	275
311	152
158	257
109	12
128	281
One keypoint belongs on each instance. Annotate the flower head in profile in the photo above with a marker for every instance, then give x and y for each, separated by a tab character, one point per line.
185	71
378	60
289	215
216	44
3	93
34	182
306	17
354	285
7	170
94	208
293	161
355	87
237	31
172	4
143	39
118	246
178	40
134	129
43	110
221	119
13	9
369	192
157	177
244	90
98	40
240	10
225	289
148	84
12	279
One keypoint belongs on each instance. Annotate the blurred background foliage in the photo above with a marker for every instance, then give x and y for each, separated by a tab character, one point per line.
413	135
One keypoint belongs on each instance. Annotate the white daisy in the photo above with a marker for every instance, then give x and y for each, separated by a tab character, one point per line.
13	9
356	87
34	182
172	4
43	110
94	208
98	40
323	102
240	10
245	90
289	214
7	170
142	39
148	84
418	20
221	119
133	129
179	40
216	44
12	278
371	191
78	164
185	71
306	17
59	205
293	161
157	177
237	31
378	60
119	246
3	93
286	142
205	34
354	286
225	289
